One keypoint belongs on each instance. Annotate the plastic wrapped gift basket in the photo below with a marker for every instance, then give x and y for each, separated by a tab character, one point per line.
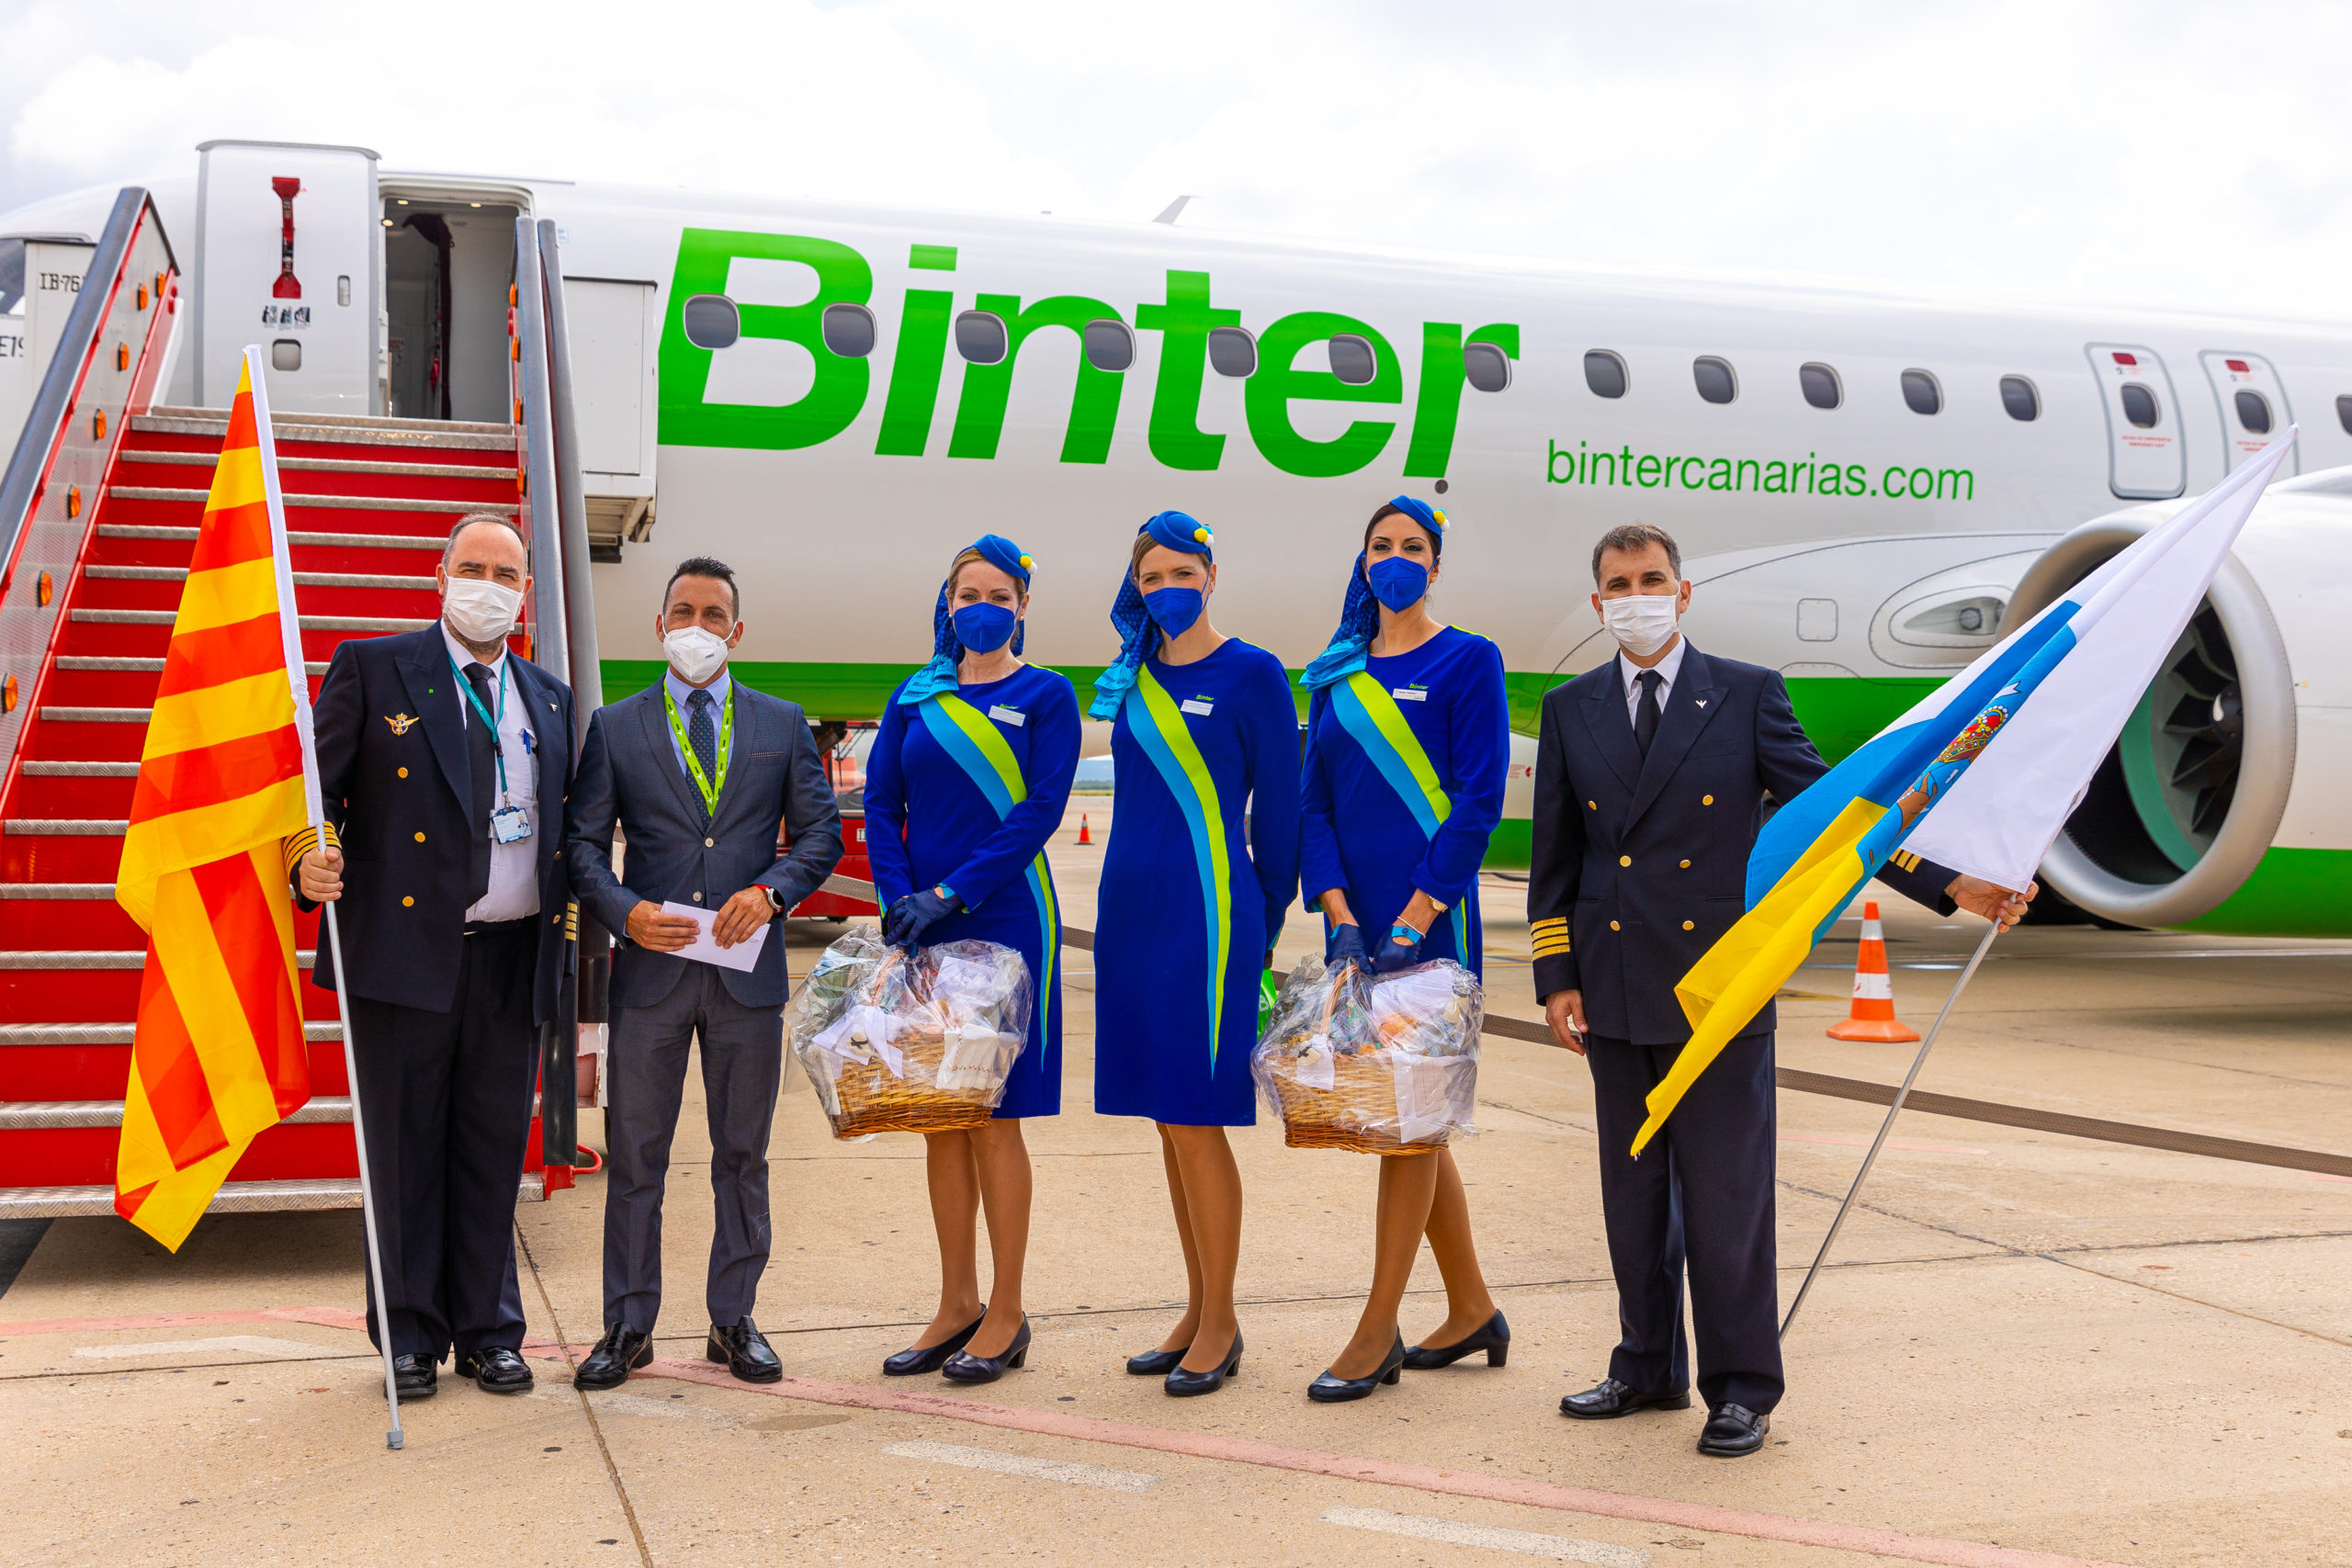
901	1043
1386	1065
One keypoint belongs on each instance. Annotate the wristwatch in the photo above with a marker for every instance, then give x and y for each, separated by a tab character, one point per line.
775	899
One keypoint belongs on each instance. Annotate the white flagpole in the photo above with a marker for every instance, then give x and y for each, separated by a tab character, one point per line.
1888	1126
290	631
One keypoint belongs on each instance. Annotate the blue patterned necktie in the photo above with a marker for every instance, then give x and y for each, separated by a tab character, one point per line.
702	735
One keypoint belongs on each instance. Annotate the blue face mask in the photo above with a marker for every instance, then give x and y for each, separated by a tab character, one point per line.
1398	583
984	629
1175	609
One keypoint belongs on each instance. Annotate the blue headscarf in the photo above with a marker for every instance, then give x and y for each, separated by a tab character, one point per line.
939	675
1138	633
1360	611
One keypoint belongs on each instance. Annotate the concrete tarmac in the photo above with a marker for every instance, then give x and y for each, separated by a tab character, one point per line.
2028	1348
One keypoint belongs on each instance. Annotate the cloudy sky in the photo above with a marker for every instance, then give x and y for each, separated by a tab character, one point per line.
2146	153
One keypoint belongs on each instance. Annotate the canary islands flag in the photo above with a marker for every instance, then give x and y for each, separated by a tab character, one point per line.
1980	775
226	779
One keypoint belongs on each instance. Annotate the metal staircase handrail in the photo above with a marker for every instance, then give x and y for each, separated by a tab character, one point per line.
579	596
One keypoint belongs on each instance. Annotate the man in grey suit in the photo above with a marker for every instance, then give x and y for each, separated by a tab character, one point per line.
697	771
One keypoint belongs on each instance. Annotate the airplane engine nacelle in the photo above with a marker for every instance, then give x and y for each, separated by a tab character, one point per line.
2221	804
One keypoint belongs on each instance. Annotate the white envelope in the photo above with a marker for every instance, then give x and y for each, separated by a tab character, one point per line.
705	948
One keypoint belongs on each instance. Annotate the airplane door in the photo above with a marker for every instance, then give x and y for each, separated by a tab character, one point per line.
2253	404
286	253
40	280
2145	460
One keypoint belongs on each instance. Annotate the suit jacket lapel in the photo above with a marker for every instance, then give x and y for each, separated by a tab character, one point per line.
547	718
425	674
654	720
1604	714
1689	707
746	738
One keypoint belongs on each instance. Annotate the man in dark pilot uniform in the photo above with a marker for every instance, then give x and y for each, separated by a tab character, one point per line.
1650	774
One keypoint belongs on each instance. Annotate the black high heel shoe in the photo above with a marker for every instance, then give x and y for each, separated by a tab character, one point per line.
965	1366
1493	1339
920	1358
1182	1384
1332	1390
1156	1363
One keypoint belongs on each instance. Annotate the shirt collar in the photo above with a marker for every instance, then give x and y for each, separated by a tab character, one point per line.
1667	667
462	656
680	690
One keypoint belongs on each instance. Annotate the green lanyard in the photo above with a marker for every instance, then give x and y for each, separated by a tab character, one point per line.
709	788
473	701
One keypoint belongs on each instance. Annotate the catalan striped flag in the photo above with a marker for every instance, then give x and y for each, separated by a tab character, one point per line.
227	780
1987	768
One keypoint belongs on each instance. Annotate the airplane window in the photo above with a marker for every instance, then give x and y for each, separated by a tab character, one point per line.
1605	373
1486	365
711	320
849	330
12	277
1920	391
2344	413
2253	413
1820	385
1352	360
1716	382
1232	351
980	337
1109	345
2138	405
2018	396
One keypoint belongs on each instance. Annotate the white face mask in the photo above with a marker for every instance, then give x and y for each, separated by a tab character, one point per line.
696	654
1642	622
479	611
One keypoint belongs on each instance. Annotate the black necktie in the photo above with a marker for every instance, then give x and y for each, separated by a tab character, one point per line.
481	750
704	738
1646	715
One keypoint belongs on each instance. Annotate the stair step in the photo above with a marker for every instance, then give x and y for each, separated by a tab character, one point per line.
352	430
97	716
235	1197
81	770
120	1033
299	540
65	826
58	890
24	1115
94	958
341	466
309	623
301	579
92	663
295	502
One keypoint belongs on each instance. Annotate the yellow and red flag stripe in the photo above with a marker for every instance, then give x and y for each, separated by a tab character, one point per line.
225	779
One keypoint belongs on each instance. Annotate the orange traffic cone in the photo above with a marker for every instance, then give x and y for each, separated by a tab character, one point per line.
1083	836
1872	1015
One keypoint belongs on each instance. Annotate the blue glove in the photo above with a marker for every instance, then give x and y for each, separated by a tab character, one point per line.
1347	946
1394	954
917	913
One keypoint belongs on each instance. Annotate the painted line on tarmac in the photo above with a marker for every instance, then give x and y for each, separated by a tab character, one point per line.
1067	1473
1527	1543
1891	1142
1705	1516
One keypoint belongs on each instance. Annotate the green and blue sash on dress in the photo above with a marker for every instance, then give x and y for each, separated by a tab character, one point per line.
1159	728
1373	720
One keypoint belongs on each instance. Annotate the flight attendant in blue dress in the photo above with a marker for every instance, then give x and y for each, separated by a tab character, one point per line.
967	782
1202	862
1409	743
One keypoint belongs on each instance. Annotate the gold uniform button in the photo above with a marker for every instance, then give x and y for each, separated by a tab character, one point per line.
1686	925
1588	806
1625	860
403	772
420	838
1686	865
1706	800
406	902
1612	925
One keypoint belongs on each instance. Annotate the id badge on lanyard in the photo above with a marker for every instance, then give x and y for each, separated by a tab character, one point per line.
509	823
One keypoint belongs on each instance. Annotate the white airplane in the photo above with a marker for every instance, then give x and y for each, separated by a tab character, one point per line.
1866	484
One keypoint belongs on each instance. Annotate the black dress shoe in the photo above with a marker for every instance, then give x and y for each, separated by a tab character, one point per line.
415	1377
621	1351
917	1360
745	1350
1156	1363
1609	1399
1493	1339
965	1366
1734	1431
496	1369
1182	1384
1331	1389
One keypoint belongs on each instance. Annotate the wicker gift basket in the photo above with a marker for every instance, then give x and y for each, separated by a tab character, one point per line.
911	1042
1385	1066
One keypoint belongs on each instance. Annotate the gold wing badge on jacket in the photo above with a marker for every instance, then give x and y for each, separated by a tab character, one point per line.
402	722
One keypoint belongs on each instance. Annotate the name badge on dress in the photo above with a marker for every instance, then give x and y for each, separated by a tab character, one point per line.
1409	693
1197	705
1012	717
510	824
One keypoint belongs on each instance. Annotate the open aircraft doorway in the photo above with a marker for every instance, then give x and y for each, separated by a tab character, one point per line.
449	262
